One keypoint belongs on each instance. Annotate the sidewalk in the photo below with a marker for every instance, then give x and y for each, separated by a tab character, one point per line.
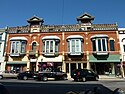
105	77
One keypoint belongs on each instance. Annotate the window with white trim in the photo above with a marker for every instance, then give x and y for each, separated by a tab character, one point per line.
124	48
75	46
0	37
0	47
17	48
123	43
34	46
50	47
112	46
100	44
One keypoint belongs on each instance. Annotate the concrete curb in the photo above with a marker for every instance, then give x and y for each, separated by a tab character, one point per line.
104	78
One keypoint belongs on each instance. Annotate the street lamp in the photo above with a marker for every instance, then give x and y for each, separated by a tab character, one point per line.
121	68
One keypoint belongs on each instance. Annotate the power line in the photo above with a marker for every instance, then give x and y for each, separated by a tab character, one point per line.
62	11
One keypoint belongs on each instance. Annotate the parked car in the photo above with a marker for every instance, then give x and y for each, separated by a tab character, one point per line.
8	74
84	75
25	75
56	74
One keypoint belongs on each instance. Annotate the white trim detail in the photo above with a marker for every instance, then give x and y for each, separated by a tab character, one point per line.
50	59
50	37
74	36
18	38
99	36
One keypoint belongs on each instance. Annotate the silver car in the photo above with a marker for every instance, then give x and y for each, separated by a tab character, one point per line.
7	74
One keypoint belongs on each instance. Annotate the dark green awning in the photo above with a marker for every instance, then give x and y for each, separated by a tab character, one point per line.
110	58
17	62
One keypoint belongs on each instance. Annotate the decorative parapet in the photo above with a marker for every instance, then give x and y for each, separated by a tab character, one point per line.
67	28
55	28
104	27
22	29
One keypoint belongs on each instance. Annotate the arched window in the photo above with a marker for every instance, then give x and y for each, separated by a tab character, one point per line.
112	46
123	43
34	46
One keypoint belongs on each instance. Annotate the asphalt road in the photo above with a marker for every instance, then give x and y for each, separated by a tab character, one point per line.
59	87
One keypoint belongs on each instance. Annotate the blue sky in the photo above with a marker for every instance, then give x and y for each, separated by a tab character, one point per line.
16	12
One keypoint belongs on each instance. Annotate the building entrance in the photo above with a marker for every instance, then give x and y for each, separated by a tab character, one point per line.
73	66
33	66
102	68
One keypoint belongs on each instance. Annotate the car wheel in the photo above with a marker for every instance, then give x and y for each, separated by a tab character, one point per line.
1	77
75	79
64	77
44	78
96	78
83	79
18	78
25	78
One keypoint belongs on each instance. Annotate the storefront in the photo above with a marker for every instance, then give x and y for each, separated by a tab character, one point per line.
105	66
16	66
33	63
72	65
49	63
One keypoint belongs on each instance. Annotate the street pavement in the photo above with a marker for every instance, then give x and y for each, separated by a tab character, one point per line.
107	85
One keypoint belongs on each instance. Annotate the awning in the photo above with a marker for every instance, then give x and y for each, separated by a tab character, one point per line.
75	36
50	37
52	59
18	38
17	62
76	61
110	58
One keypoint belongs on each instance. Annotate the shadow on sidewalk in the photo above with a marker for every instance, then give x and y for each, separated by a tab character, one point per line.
98	88
3	90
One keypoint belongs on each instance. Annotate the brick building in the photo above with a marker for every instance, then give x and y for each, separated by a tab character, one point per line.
67	47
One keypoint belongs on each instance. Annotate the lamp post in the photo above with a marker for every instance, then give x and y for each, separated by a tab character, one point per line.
121	68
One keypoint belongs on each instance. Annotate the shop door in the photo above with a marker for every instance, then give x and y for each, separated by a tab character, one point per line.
100	68
73	66
33	66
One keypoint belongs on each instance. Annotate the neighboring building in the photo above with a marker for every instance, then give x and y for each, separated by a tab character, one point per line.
68	47
3	37
122	46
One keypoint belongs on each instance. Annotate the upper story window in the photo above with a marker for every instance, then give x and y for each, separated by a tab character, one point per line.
34	46
50	45
100	44
0	48
112	47
124	48
123	43
0	37
18	46
35	30
75	44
